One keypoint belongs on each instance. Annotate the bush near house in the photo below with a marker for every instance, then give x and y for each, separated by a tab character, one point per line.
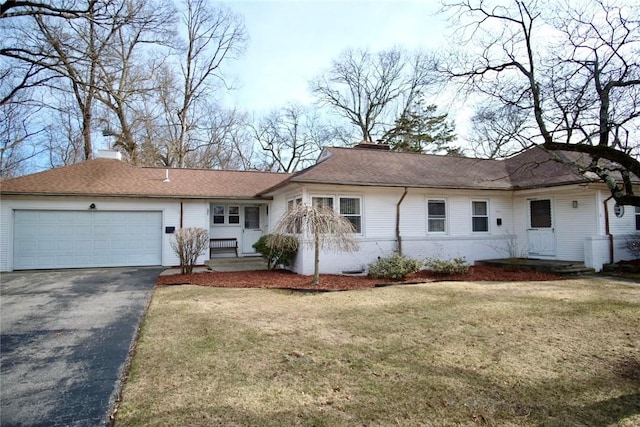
188	244
394	267
447	266
277	252
633	245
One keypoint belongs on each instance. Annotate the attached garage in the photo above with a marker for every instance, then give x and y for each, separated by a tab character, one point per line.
47	239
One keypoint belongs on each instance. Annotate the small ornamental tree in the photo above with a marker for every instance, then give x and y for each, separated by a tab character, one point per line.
321	227
189	243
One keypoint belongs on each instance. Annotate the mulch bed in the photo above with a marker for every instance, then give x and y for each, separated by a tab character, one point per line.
283	279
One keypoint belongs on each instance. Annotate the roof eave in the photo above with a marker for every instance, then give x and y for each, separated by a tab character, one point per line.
134	196
398	185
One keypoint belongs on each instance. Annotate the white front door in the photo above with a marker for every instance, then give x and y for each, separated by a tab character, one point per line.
541	234
251	229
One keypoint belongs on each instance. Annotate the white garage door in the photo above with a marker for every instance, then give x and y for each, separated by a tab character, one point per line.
76	239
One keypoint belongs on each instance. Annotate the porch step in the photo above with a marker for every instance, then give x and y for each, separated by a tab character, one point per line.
575	270
236	264
565	268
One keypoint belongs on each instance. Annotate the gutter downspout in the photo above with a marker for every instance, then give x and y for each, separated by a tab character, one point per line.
181	213
606	228
398	236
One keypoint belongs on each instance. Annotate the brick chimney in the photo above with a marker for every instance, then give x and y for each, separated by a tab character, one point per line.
369	145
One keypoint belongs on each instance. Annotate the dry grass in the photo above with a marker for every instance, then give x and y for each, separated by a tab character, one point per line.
563	353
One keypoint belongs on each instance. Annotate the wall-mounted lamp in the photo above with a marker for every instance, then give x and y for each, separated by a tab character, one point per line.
92	206
574	204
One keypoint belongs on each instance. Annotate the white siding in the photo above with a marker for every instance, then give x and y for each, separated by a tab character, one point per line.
621	229
194	215
573	225
379	227
413	216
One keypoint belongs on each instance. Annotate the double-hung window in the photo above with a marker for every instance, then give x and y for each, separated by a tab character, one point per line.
223	214
350	209
479	216
291	204
322	202
436	216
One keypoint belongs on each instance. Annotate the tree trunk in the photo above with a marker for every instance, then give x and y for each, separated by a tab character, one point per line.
316	260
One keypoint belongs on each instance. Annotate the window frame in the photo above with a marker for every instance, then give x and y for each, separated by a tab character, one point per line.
347	216
325	196
214	214
637	216
486	215
444	218
291	202
226	215
236	215
336	206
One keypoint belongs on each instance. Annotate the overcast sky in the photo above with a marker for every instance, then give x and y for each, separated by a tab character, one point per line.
292	41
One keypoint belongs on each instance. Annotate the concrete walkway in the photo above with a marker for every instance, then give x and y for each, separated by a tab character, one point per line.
65	338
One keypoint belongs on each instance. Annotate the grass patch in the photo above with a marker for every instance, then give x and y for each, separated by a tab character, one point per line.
563	353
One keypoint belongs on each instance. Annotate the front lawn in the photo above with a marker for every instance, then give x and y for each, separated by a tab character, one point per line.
559	353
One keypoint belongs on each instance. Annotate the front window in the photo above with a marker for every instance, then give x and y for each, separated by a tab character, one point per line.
225	215
234	214
218	214
350	209
436	216
637	218
322	202
479	216
291	203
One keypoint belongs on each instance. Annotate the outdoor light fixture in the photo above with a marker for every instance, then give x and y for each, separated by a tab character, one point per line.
92	206
574	204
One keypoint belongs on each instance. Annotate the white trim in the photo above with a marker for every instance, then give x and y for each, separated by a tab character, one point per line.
446	215
336	205
226	214
488	216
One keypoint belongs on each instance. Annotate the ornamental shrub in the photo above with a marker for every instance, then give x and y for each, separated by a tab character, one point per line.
188	244
633	245
394	267
450	266
277	252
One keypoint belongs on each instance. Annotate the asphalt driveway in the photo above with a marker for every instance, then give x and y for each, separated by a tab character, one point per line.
65	338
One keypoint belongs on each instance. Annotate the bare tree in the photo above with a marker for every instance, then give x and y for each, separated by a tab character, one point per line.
572	67
17	130
66	10
214	35
77	48
63	139
126	70
499	130
372	90
319	226
292	137
24	66
226	144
